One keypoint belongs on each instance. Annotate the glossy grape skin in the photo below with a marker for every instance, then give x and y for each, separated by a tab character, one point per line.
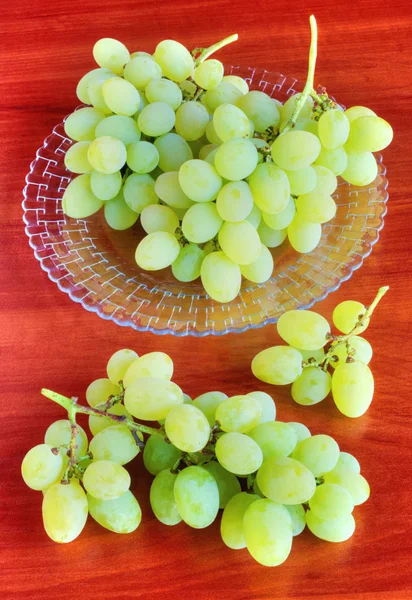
279	365
231	526
187	428
312	386
121	515
331	501
338	530
285	480
208	404
162	499
319	453
238	453
303	329
352	481
158	365
159	455
227	483
197	497
111	54
106	480
163	394
64	512
353	388
274	438
41	467
114	443
239	413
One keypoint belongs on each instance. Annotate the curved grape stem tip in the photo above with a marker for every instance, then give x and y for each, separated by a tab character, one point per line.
206	52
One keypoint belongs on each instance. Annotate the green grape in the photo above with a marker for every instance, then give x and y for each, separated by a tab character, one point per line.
81	124
353	482
352	388
206	150
231	526
211	134
295	150
201	223
199	180
268	532
156	119
261	269
312	386
175	60
188	86
100	390
326	182
208	74
282	219
187	428
272	238
106	480
333	128
268	406
163	394
348	461
234	201
270	188
107	154
81	90
238	453
59	434
118	364
303	236
302	181
139	192
239	413
338	530
188	263
115	443
316	355
159	218
286	480
278	365
197	497
142	157
97	424
134	54
369	134
224	93
361	168
191	120
41	467
121	96
95	91
347	314
334	160
162	499
331	501
236	159
354	112
237	82
75	158
319	453
111	54
157	251
140	71
118	214
221	277
143	102
255	216
64	512
240	242
227	483
123	128
105	186
208	404
121	515
163	90
303	329
302	432
153	364
274	438
260	108
297	515
289	106
230	122
159	455
167	187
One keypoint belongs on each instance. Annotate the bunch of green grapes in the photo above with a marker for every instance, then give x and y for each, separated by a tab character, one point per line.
270	478
316	362
218	174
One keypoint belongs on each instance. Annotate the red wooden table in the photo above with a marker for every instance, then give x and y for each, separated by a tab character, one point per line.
47	340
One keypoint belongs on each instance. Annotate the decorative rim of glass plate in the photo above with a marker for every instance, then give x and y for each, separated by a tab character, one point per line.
78	256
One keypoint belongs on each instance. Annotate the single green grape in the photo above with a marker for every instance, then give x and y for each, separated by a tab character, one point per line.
111	54
159	455
64	511
274	438
227	483
231	526
239	413
196	496
121	515
331	501
352	388
334	530
319	453
100	390
162	499
41	467
238	453
187	428
312	386
106	480
303	329
116	444
157	251
208	404
285	480
268	406
279	365
163	394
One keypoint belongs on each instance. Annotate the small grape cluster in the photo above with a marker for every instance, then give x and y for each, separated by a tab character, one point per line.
218	174
203	455
304	363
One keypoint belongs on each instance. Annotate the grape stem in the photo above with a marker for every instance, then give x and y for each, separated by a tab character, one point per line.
206	52
310	78
338	340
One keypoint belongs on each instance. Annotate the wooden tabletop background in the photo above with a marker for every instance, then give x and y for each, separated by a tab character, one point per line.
47	340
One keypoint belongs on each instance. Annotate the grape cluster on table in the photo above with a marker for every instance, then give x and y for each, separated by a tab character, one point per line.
218	174
270	478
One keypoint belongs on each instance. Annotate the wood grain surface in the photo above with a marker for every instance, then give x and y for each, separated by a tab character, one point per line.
47	340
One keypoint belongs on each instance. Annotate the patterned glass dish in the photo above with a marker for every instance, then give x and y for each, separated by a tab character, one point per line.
95	265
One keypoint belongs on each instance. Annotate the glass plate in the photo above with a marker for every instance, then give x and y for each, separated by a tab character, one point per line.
95	265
